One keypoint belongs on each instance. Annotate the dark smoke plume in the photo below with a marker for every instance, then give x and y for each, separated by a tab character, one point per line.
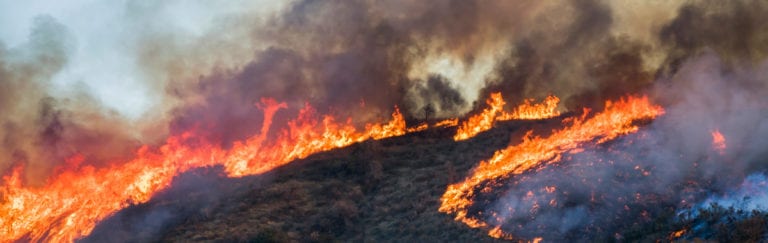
337	54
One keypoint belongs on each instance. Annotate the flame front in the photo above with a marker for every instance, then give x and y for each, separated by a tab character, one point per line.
615	120
495	111
74	201
530	111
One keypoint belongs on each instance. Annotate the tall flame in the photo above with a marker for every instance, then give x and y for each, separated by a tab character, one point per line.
615	120
530	111
72	202
495	111
483	121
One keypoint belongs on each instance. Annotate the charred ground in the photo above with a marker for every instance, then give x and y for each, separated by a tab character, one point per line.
386	190
389	190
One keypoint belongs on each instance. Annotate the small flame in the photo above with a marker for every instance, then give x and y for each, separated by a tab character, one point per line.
418	128
718	141
617	119
530	111
677	234
448	123
497	233
495	111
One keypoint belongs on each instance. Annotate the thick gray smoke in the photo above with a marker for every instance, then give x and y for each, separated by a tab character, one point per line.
41	130
154	69
672	163
713	79
338	54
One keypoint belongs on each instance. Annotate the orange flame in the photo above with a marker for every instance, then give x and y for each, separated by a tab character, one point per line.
73	201
483	121
418	128
530	111
497	233
617	119
448	123
495	111
677	234
718	141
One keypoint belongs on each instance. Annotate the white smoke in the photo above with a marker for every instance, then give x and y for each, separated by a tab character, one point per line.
109	37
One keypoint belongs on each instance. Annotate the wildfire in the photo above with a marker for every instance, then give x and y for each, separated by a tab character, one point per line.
495	111
677	234
615	120
448	123
718	141
483	121
530	111
74	201
418	128
496	232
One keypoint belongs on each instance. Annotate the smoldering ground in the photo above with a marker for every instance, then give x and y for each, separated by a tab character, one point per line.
672	163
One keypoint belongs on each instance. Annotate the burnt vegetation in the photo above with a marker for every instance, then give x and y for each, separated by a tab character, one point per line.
389	190
386	190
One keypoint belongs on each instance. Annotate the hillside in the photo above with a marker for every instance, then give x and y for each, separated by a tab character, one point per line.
385	190
389	191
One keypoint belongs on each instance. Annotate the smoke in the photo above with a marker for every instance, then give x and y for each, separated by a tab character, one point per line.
153	69
735	30
575	54
607	191
447	54
438	95
204	190
87	83
90	82
750	195
710	77
337	54
40	128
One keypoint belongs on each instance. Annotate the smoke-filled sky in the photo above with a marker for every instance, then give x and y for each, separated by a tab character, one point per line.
99	78
103	41
671	163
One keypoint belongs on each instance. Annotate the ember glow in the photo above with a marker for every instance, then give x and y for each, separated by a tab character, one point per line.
495	112
72	202
418	128
618	118
718	141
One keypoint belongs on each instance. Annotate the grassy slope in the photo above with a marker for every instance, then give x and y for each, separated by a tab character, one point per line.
385	190
377	191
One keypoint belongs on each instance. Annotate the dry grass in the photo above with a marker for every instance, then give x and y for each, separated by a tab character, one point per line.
375	191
